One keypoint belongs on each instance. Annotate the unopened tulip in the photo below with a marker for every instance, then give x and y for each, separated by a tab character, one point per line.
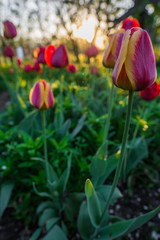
41	95
151	92
28	68
60	57
9	30
71	68
8	52
135	68
113	49
49	52
41	55
19	62
130	22
94	70
92	51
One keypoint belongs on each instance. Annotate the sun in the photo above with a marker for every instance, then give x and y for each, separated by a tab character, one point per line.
87	31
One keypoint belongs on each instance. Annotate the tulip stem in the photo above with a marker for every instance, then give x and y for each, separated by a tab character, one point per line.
122	154
45	143
108	119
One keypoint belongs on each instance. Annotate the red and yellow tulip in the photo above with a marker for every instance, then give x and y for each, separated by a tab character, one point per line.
41	95
112	51
130	22
135	68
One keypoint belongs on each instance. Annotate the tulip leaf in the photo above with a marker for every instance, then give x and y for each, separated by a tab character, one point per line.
137	153
78	128
42	194
36	234
44	205
51	222
46	215
123	227
93	203
85	226
65	176
55	233
5	194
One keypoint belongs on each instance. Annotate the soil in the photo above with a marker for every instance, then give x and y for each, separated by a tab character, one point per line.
143	200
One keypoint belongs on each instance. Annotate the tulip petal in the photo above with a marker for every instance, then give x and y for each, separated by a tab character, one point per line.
37	95
108	59
140	60
119	77
49	51
60	57
48	97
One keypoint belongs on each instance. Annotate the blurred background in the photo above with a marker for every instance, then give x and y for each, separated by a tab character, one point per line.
77	23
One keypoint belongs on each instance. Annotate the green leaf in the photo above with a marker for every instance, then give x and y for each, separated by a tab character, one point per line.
36	234
46	215
93	203
65	127
51	222
98	165
55	234
85	226
44	205
78	127
104	190
65	176
5	194
137	153
126	226
42	194
27	123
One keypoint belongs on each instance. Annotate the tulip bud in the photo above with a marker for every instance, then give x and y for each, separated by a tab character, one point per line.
135	68
41	55
92	51
9	52
9	30
28	68
60	57
19	62
41	95
71	68
151	92
112	51
94	70
130	22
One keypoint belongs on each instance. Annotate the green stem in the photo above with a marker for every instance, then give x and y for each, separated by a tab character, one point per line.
45	143
122	154
107	124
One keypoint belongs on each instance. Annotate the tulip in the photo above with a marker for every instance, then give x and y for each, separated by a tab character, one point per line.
71	68
130	22
9	52
41	95
36	67
11	70
19	62
135	68
113	49
41	55
9	30
92	51
151	92
28	68
48	54
94	70
60	57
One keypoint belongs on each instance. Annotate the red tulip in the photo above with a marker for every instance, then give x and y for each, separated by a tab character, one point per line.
41	55
135	68
92	51
130	22
19	62
49	52
113	49
151	92
28	68
71	68
9	29
41	95
9	52
94	70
